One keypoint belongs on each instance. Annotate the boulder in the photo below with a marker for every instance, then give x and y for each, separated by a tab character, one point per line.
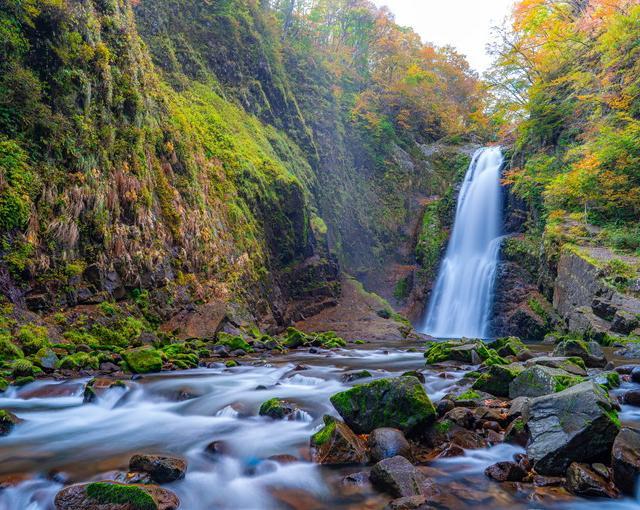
385	443
8	420
506	471
497	379
573	365
540	380
336	443
398	403
461	416
624	322
635	375
464	351
115	496
625	458
409	503
398	477
578	424
516	432
590	352
161	469
277	409
586	482
143	360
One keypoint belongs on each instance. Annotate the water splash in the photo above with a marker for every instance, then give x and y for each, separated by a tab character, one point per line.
462	297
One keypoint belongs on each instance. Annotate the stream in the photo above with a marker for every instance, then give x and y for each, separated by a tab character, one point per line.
64	441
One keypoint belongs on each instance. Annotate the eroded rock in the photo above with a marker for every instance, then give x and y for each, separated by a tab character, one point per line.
161	469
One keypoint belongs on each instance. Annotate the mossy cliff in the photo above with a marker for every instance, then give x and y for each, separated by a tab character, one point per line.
203	151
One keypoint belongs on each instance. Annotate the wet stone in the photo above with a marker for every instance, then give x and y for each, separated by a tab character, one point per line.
388	442
397	477
626	460
584	481
506	471
161	469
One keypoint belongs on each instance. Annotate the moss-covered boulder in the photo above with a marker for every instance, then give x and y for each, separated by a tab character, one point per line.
143	360
46	358
115	496
277	409
508	346
464	351
574	365
590	352
234	342
398	403
8	420
497	378
77	361
540	380
336	443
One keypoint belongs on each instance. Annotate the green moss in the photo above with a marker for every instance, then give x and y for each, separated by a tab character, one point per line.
24	380
613	379
116	494
9	350
325	434
497	379
143	360
22	367
32	338
359	342
231	363
234	342
509	346
468	395
444	426
78	361
4	384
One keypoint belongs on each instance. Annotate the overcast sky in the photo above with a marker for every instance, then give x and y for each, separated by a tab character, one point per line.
465	24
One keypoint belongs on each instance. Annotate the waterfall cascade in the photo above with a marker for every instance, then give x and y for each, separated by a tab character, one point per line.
461	300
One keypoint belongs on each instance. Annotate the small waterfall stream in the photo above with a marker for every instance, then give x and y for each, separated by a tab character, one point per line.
462	297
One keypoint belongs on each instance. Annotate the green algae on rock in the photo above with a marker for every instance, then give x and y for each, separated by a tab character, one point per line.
143	360
398	403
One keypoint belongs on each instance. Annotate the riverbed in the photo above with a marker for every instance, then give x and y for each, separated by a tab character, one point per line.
63	440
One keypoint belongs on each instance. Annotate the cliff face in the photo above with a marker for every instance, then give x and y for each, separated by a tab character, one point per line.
194	150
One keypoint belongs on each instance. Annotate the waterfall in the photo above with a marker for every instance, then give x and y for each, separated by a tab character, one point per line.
462	297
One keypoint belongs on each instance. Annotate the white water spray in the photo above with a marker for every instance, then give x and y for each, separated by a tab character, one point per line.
461	301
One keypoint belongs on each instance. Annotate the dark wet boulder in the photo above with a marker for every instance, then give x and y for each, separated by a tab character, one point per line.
574	365
161	469
398	403
398	477
584	481
277	409
444	406
386	442
506	471
461	416
578	424
8	420
516	432
115	496
508	346
635	375
497	378
590	352
625	458
336	443
354	376
540	380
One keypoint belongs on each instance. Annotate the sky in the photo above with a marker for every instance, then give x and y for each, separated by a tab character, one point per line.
464	24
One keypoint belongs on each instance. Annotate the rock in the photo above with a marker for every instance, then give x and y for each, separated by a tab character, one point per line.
8	420
516	432
465	351
115	496
354	376
506	471
590	352
573	365
444	406
540	380
484	414
161	469
461	416
397	403
548	481
631	398
626	460
630	350
409	503
497	379
635	375
625	369
143	360
217	448
585	482
624	322
518	407
277	409
386	442
398	477
203	321
46	358
452	450
578	424
416	374
336	443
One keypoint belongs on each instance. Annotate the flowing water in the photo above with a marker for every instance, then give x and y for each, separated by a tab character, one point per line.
462	296
64	440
